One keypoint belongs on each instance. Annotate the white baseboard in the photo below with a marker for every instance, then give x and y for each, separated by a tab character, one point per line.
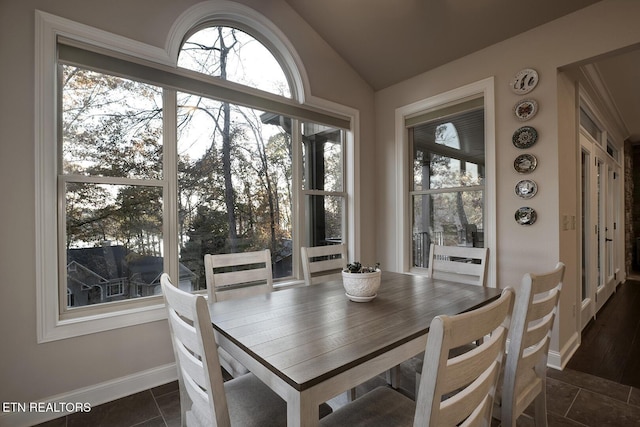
558	360
93	395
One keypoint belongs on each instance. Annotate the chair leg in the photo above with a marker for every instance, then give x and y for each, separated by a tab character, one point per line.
418	377
540	406
393	375
351	395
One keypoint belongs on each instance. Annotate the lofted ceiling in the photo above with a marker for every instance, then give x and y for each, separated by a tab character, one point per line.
388	41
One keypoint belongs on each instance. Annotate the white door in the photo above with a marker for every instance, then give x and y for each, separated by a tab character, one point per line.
600	194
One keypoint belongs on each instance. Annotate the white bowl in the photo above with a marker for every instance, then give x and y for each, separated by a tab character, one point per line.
361	284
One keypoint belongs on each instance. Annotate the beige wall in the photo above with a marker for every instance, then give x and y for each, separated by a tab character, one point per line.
30	371
604	27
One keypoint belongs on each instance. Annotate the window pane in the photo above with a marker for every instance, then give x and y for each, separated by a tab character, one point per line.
114	242
322	157
448	218
110	126
236	56
449	152
325	219
234	183
435	171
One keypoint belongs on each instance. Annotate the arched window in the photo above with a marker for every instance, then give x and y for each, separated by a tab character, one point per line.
231	54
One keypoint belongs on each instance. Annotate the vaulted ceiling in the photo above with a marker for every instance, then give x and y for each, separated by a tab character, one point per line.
388	41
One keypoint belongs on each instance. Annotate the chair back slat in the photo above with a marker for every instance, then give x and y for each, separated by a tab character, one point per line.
323	263
461	388
459	264
238	275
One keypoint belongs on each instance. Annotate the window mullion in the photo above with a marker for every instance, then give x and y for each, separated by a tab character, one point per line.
170	184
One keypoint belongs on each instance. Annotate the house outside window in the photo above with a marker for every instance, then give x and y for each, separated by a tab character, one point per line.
158	166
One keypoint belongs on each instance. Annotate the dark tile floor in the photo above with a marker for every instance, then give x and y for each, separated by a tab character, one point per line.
599	388
610	345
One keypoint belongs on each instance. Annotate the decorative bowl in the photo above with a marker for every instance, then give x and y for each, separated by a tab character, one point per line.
361	284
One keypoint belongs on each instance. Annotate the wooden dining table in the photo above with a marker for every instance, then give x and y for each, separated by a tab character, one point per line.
312	343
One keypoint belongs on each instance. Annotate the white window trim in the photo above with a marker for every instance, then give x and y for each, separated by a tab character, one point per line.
47	28
485	88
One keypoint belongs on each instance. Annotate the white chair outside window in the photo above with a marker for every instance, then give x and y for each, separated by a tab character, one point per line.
237	275
525	371
460	264
323	263
454	389
205	399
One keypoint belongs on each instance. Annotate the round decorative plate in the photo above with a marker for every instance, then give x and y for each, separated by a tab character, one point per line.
524	137
525	109
525	163
526	216
526	188
525	81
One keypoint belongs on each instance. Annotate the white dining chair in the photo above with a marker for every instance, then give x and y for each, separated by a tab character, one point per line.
525	371
454	389
323	263
205	399
462	264
237	275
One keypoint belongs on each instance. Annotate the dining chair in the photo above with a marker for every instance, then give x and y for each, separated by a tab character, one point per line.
525	370
462	264
237	275
323	263
205	399
454	389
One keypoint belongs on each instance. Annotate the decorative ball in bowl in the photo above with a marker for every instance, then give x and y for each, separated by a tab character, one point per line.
361	283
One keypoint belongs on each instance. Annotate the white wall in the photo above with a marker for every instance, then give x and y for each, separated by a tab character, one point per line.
601	28
30	371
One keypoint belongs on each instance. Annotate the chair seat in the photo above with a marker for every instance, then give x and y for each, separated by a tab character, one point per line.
381	407
260	406
252	403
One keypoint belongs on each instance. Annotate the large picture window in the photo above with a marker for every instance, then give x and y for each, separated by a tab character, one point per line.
157	166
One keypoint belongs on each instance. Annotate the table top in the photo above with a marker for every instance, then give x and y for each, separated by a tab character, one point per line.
308	334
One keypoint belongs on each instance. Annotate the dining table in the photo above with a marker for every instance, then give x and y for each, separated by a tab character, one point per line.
312	343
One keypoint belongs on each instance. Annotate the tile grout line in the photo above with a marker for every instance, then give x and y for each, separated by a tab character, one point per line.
572	402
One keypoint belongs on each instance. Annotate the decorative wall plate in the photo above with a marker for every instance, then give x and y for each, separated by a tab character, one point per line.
525	109
525	163
525	81
526	188
526	216
524	137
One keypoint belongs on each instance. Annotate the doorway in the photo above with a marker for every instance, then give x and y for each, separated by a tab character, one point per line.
600	217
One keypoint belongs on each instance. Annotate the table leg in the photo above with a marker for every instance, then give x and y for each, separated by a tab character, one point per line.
301	410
